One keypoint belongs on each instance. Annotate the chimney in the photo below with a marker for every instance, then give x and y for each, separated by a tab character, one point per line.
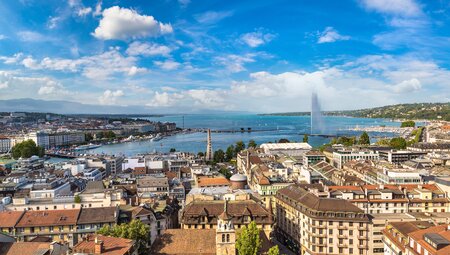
98	246
248	161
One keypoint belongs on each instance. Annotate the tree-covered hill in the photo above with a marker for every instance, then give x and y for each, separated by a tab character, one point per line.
431	111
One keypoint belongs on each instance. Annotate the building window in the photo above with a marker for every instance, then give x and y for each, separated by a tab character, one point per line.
228	238
223	238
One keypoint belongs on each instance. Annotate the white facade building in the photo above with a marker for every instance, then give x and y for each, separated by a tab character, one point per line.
288	149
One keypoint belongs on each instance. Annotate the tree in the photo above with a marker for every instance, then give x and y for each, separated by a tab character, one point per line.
173	150
219	156
225	172
230	153
305	140
364	138
248	242
200	154
408	123
252	144
135	230
88	137
77	199
274	250
240	145
283	140
27	149
398	143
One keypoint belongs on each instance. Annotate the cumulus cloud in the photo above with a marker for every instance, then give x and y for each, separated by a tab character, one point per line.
397	7
167	64
123	24
331	35
31	63
12	60
110	97
98	67
148	49
210	17
256	39
136	70
407	86
164	99
24	86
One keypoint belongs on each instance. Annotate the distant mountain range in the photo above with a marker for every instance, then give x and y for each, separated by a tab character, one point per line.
67	107
431	111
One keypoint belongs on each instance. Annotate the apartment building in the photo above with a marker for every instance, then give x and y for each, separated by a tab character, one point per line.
416	239
399	156
309	224
203	214
340	157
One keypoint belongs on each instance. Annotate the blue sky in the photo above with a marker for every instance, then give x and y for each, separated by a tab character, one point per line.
260	56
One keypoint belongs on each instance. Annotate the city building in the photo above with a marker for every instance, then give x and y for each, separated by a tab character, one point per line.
5	144
399	156
289	149
309	224
340	157
105	245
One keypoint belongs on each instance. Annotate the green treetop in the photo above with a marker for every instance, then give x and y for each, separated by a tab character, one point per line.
249	242
364	139
27	149
135	230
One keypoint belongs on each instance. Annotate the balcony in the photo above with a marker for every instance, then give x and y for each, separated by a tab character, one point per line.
342	245
363	237
362	228
342	227
342	236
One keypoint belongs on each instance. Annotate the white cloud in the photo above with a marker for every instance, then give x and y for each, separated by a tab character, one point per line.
82	12
53	22
31	36
12	60
98	9
167	65
110	97
164	99
331	35
148	49
207	98
23	86
256	39
393	7
235	63
52	87
136	70
123	24
97	67
407	86
210	17
31	63
2	37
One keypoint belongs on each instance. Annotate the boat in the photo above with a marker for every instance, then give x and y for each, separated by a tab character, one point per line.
158	137
87	147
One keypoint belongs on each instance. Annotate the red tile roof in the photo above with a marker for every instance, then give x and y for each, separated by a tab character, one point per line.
49	218
111	245
9	219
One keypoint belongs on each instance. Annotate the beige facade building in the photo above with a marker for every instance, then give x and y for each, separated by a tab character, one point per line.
308	224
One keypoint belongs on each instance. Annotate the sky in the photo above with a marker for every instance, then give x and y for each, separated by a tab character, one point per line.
256	56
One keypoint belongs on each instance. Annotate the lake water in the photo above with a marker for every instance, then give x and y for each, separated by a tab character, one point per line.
266	129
